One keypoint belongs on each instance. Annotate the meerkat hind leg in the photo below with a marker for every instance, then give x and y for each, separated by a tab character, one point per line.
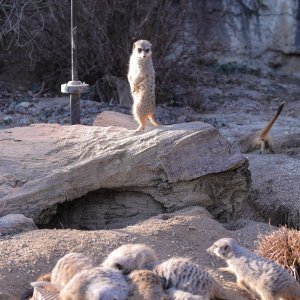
142	121
152	120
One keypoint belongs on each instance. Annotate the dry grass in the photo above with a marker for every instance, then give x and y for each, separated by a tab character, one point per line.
35	36
283	247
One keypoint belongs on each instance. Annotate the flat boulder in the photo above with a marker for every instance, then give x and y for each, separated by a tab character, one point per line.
177	166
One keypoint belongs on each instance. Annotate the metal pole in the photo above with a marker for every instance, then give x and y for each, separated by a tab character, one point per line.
74	97
74	87
74	40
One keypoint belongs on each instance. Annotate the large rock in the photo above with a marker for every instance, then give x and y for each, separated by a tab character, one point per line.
176	166
276	179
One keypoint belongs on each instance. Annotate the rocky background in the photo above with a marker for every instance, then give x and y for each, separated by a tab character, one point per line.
245	36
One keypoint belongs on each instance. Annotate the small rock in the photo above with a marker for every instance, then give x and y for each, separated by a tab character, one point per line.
15	223
25	104
22	107
24	121
7	120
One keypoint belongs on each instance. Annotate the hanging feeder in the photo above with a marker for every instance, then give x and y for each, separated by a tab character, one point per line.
74	87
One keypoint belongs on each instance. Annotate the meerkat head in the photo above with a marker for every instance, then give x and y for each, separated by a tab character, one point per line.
223	248
122	264
142	49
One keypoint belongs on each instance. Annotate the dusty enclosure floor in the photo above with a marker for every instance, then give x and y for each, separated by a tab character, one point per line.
187	233
236	104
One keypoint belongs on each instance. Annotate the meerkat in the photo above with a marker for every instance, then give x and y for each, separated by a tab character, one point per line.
130	257
260	140
146	285
69	265
94	284
182	274
64	270
256	274
141	77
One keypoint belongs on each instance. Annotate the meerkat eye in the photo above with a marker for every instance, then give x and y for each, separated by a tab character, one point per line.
119	267
147	50
140	50
225	249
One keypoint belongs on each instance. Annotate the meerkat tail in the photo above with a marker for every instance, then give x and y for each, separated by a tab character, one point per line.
268	127
152	120
47	285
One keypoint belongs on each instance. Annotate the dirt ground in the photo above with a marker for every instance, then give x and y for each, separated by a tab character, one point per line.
236	104
186	233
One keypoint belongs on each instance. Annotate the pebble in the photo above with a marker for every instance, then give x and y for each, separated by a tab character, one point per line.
8	120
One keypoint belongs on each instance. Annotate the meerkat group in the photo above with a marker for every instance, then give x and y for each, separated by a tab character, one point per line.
134	272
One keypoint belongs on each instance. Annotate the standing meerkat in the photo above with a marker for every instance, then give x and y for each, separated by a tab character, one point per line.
260	140
254	273
182	274
146	285
96	284
141	77
130	257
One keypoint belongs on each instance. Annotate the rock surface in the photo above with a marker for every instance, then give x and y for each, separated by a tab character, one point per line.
178	166
15	223
185	233
247	34
112	118
276	179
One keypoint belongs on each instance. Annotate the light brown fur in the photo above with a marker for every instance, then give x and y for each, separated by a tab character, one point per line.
64	270
260	140
130	257
255	274
94	284
182	274
146	285
68	266
182	295
141	77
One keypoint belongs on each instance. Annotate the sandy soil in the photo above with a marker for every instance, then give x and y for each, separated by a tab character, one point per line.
187	233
